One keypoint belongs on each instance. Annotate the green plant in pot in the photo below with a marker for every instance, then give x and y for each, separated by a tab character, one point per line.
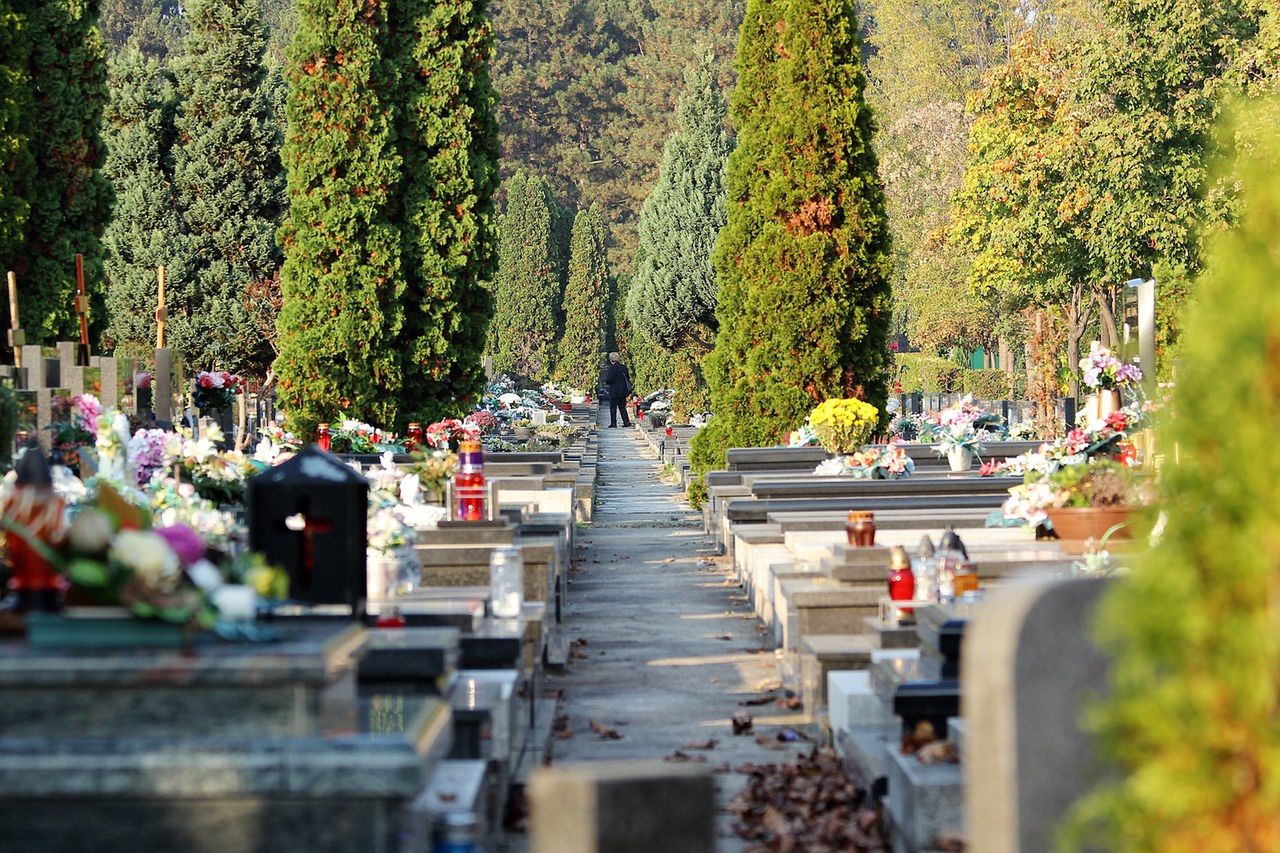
1096	497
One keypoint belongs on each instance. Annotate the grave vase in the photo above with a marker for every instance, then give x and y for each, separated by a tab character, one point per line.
960	458
1099	405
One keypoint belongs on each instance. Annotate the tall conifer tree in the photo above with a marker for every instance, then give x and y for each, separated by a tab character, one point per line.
16	163
146	230
343	280
447	136
673	297
70	198
228	181
803	261
578	357
527	290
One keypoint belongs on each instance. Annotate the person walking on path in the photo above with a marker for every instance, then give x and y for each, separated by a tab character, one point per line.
618	381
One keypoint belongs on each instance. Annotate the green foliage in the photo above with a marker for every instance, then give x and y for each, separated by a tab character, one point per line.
146	230
803	262
1195	683
228	186
8	425
656	368
446	136
17	167
927	373
70	199
528	288
987	384
588	92
579	354
343	280
672	300
153	27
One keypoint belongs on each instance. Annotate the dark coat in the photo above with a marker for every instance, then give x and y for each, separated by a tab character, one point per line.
618	380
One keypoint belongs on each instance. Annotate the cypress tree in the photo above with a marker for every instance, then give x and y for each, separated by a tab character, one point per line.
342	278
438	54
673	298
527	289
70	198
16	164
579	353
228	182
146	230
803	261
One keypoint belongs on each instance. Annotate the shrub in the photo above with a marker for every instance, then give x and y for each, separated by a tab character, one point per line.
1190	720
926	373
987	384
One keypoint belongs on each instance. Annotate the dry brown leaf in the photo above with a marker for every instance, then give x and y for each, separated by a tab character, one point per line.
709	743
938	752
756	700
741	723
768	742
679	757
603	731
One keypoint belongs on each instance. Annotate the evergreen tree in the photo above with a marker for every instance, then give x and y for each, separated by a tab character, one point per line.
342	278
438	55
16	164
673	298
803	261
527	290
146	230
154	27
228	183
579	353
70	198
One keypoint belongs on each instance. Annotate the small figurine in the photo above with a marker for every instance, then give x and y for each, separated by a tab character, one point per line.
33	516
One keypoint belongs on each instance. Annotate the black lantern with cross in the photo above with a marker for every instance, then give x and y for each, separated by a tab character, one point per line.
309	516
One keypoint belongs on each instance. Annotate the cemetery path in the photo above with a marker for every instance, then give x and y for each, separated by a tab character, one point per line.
666	647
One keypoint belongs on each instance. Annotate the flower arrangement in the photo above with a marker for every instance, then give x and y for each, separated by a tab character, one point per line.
387	532
351	436
907	427
446	434
1102	371
148	451
803	437
843	425
217	476
215	390
434	468
965	425
75	425
485	420
887	463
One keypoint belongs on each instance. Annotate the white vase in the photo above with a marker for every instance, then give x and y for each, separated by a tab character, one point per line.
960	457
381	570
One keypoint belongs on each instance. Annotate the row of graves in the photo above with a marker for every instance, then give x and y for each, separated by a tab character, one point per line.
328	645
931	620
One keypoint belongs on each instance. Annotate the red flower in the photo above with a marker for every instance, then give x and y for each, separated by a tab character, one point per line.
206	382
1118	421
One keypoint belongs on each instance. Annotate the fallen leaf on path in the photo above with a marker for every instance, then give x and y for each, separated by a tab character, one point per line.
564	734
603	731
757	700
790	703
741	723
950	843
709	743
724	636
768	742
758	651
681	757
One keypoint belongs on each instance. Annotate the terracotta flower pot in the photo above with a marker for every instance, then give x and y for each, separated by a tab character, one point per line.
1091	522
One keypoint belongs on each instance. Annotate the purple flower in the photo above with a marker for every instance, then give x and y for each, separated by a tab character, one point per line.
184	541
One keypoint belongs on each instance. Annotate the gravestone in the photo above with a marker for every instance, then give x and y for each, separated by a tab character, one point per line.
1030	668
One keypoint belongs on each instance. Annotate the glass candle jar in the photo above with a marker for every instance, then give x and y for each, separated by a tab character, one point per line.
902	581
860	529
469	491
506	582
414	439
322	436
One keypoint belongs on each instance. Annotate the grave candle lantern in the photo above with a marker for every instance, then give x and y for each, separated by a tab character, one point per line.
469	483
322	437
309	516
902	582
414	440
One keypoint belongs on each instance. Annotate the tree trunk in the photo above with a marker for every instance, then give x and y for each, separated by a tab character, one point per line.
1078	315
1110	335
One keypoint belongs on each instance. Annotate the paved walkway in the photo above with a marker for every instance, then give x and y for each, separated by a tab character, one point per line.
666	646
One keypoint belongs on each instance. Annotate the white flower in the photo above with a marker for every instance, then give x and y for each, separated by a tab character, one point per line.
148	556
91	532
205	575
830	467
266	452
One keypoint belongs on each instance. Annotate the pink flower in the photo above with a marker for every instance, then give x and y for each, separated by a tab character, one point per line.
184	541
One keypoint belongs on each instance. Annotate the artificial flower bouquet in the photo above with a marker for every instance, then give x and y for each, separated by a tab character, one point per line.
216	390
484	420
965	425
74	425
450	432
803	437
434	468
843	425
351	436
887	463
1102	371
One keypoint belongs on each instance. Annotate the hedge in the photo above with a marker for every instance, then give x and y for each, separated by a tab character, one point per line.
987	384
926	373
